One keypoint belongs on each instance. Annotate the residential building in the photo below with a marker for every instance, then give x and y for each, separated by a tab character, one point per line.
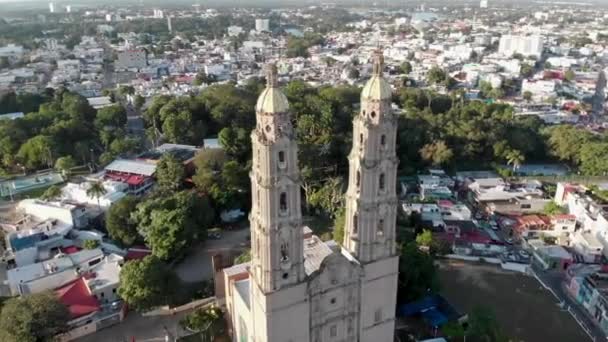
71	214
525	45
52	273
131	59
262	25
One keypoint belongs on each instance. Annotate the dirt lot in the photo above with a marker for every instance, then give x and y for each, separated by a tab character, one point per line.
525	309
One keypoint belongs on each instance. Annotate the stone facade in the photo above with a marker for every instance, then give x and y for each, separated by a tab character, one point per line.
296	287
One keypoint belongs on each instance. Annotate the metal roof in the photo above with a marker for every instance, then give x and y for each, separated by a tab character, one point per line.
132	166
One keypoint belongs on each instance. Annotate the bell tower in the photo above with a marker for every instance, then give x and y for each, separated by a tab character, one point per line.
276	227
371	200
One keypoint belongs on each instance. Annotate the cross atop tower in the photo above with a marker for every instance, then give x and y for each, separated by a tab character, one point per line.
378	61
271	75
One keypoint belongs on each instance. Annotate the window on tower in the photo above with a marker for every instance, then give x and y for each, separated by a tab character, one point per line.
355	224
383	140
358	179
284	252
283	201
361	140
281	157
373	114
381	182
380	229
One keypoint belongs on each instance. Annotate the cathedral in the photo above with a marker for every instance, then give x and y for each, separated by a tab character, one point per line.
297	288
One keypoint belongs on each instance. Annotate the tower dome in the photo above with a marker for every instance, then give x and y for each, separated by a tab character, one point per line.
272	100
377	88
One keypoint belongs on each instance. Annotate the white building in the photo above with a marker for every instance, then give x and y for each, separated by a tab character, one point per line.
51	7
53	273
234	30
262	25
71	214
483	4
77	193
296	287
158	14
540	89
524	45
131	59
12	52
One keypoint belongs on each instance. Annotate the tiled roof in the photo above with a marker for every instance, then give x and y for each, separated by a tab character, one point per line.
77	297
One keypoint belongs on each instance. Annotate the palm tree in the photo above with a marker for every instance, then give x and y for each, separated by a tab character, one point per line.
515	158
96	190
51	193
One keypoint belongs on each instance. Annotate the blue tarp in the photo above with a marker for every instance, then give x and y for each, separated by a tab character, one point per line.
434	309
434	317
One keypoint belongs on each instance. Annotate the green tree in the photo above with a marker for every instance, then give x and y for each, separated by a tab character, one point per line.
339	223
51	193
37	317
526	70
90	244
147	283
119	223
203	78
406	67
569	75
417	274
111	116
437	153
37	152
139	101
328	197
170	224
170	173
527	96
208	321
436	75
243	257
353	73
553	208
594	159
65	165
515	158
425	238
96	190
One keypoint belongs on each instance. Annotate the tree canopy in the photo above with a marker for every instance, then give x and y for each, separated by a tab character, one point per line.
119	223
37	317
147	283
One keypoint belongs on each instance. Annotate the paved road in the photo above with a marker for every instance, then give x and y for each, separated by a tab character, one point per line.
197	265
554	279
140	329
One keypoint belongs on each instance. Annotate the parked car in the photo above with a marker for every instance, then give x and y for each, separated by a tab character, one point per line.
509	241
524	254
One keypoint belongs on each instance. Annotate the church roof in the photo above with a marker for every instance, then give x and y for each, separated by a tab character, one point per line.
272	100
315	251
377	88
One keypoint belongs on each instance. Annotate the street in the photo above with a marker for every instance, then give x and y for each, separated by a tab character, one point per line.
138	328
554	280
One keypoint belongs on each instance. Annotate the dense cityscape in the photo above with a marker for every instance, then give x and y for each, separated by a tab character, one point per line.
303	172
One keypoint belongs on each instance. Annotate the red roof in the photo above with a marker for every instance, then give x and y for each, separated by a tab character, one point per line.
135	180
70	249
563	217
77	297
137	253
